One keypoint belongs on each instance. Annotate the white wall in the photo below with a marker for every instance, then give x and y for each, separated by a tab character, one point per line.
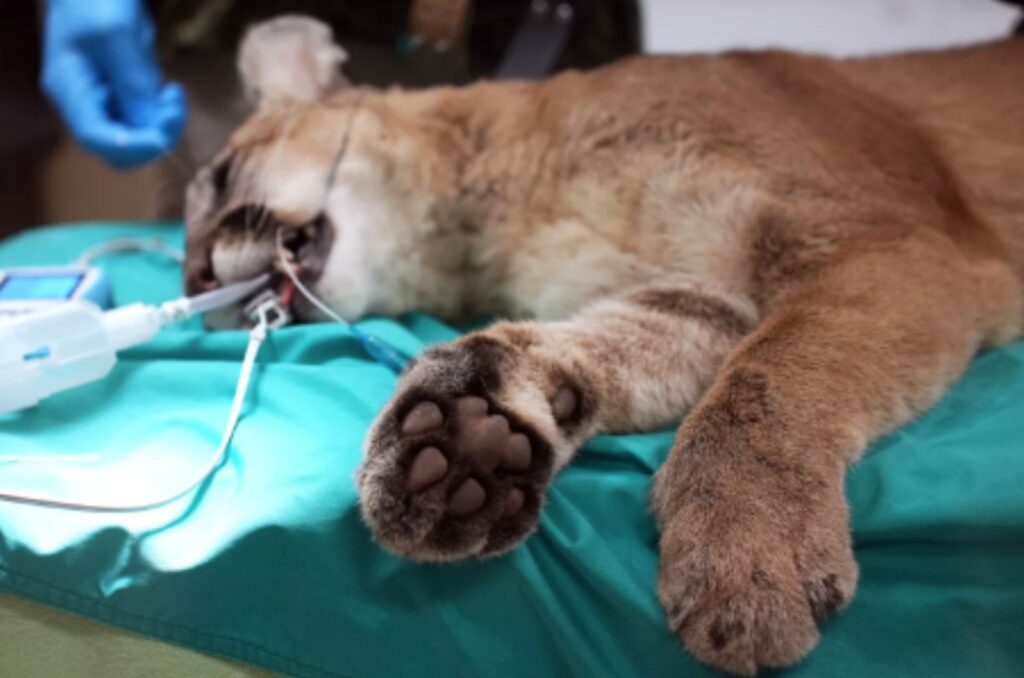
840	27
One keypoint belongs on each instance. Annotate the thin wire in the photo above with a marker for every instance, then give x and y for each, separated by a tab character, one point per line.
289	271
342	151
378	349
256	338
178	163
332	174
118	245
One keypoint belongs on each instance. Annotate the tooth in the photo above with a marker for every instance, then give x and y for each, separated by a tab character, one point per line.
310	231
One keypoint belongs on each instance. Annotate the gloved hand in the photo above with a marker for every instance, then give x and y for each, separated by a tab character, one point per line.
100	70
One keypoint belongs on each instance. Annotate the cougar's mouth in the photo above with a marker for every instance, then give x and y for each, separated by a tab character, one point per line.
300	253
304	248
257	242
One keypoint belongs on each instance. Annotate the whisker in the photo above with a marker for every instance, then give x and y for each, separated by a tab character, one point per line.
264	221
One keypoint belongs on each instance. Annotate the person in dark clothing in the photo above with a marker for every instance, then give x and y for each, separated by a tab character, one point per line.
104	60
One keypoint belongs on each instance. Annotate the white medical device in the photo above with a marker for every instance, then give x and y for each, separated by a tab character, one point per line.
28	290
57	336
51	347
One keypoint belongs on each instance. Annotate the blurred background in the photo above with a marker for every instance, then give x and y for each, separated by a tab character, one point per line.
46	178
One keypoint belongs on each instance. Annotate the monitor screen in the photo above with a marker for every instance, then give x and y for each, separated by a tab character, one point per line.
39	286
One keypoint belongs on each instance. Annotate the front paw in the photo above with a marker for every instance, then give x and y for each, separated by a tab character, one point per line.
755	554
458	463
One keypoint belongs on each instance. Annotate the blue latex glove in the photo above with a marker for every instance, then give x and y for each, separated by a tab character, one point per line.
100	70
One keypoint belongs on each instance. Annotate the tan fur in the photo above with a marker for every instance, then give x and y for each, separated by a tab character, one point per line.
804	252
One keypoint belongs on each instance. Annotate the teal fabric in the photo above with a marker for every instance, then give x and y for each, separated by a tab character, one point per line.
269	563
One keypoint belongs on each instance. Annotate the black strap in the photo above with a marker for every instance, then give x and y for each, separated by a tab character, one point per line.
539	42
1019	29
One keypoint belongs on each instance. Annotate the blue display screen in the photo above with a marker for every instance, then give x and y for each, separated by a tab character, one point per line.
21	287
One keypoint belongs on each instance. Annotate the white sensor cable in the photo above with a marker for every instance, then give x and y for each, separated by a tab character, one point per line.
256	337
73	344
376	348
37	339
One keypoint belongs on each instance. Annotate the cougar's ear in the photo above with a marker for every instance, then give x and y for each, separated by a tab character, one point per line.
290	59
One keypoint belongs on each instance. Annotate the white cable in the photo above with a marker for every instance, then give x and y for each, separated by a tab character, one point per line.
176	310
379	350
256	338
282	253
118	245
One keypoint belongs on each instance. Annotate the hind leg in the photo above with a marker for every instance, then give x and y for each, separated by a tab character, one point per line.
755	546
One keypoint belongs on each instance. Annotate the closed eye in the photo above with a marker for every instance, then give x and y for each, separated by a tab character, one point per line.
252	219
219	179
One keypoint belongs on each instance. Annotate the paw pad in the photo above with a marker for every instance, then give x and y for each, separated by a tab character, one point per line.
452	472
482	441
427	469
468	498
564	404
514	502
424	417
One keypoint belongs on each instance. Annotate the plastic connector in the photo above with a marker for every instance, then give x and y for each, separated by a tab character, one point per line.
266	308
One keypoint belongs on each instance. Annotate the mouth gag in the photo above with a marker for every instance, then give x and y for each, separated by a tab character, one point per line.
61	346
